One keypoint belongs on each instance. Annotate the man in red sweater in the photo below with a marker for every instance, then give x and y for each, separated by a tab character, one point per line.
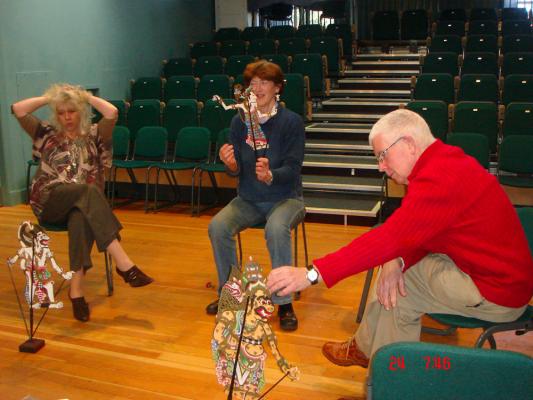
455	245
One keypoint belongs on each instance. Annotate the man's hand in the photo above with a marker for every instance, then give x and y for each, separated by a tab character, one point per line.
262	170
286	280
227	156
390	282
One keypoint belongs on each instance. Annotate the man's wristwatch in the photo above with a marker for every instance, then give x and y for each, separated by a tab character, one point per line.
312	275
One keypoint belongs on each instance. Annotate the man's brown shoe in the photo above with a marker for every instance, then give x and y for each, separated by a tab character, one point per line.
345	354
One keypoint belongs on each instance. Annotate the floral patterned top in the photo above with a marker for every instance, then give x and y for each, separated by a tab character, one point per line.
63	160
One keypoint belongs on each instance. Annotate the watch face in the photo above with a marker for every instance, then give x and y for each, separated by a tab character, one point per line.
312	275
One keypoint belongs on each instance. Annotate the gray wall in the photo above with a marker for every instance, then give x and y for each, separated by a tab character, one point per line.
95	43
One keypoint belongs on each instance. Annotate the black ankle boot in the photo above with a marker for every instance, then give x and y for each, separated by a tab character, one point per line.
80	308
135	277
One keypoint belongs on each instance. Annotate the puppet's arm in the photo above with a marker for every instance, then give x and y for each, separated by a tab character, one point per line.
11	261
283	364
57	268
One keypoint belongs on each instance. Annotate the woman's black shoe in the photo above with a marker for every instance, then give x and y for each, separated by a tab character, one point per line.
80	308
212	308
287	318
135	277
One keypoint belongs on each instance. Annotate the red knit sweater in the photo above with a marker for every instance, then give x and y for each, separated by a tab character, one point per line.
452	206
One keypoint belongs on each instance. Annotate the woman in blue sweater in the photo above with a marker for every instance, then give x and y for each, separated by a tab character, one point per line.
268	163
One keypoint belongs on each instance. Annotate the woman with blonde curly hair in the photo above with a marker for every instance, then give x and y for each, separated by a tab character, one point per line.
68	185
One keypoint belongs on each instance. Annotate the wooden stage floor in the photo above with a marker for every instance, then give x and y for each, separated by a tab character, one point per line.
154	342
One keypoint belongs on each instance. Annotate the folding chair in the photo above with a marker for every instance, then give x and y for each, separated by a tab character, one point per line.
483	14
280	59
515	164
483	27
177	66
435	113
236	64
478	87
473	144
279	32
202	49
210	85
477	117
150	146
450	27
212	167
190	150
230	33
180	87
385	25
434	87
440	63
453	14
415	371
292	46
517	88
521	326
518	119
445	43
253	32
258	47
208	65
313	66
414	25
230	48
147	88
309	31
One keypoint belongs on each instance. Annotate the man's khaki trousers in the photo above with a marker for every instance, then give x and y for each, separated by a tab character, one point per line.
433	285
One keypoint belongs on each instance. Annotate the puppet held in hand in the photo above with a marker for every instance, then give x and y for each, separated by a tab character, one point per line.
232	311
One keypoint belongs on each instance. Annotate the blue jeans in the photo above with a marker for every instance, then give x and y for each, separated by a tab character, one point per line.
239	214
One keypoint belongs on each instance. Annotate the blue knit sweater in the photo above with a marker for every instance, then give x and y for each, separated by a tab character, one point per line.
285	151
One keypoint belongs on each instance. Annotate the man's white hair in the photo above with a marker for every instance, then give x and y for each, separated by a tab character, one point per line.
403	123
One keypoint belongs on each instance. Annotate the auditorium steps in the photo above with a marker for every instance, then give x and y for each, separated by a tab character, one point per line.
340	174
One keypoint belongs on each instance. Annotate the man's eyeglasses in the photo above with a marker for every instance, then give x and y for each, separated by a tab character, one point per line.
381	155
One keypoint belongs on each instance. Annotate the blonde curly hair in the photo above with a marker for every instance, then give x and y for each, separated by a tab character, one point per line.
62	93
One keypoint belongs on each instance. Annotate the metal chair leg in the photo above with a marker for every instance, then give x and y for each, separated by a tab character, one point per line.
296	246
109	272
364	295
239	244
306	254
194	171
147	189
28	173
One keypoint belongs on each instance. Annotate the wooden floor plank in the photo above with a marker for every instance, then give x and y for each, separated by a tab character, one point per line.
154	342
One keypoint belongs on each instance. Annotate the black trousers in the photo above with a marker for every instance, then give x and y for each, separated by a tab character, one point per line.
86	212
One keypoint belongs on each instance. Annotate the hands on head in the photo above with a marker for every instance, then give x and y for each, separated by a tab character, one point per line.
62	92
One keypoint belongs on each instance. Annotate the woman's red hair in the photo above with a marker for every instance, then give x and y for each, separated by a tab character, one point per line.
265	70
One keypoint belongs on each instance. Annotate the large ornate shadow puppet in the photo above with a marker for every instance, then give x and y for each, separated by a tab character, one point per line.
243	289
33	255
246	106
